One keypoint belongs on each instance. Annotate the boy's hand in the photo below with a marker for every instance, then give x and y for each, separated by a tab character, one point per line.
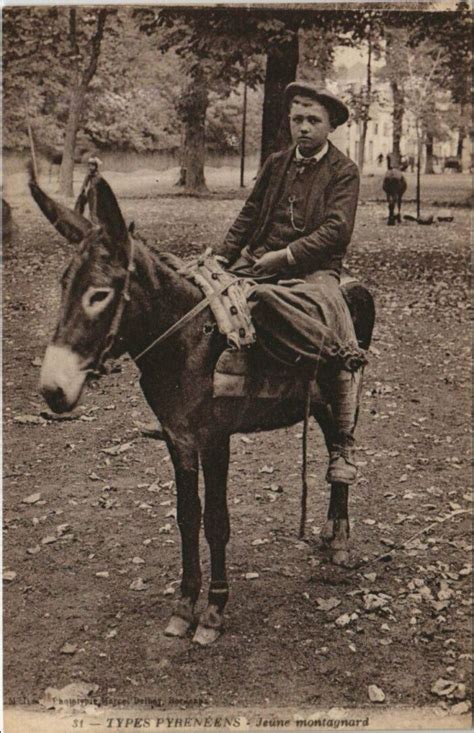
271	263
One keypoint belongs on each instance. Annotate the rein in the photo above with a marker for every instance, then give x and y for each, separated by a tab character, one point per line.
182	321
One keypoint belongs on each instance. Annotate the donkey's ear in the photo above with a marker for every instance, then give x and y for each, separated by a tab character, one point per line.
105	211
70	224
131	228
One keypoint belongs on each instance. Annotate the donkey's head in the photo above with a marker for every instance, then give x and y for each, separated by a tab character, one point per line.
94	293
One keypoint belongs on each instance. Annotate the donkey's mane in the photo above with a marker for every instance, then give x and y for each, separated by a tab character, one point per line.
156	265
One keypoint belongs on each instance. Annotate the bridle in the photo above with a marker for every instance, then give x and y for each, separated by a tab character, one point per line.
98	367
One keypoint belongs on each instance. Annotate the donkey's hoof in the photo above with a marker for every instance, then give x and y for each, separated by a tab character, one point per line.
340	557
205	635
177	626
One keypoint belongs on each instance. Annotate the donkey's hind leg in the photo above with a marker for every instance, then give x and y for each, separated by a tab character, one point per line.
215	465
335	532
185	461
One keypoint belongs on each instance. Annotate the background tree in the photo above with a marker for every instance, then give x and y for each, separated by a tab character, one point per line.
425	68
47	50
85	34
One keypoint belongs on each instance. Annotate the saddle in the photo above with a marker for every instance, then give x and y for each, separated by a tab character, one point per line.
245	368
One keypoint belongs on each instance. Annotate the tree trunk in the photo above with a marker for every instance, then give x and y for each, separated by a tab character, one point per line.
429	163
418	179
397	117
192	108
66	171
182	162
76	102
243	135
366	112
282	64
460	145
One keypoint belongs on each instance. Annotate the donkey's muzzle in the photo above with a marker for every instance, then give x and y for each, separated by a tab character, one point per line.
62	378
56	399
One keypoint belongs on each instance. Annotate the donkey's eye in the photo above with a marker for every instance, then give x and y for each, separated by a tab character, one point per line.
95	300
98	297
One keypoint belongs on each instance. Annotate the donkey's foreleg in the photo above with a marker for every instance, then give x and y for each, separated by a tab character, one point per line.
399	204
185	461
215	465
391	211
335	533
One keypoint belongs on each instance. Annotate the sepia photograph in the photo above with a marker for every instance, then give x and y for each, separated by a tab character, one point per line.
236	246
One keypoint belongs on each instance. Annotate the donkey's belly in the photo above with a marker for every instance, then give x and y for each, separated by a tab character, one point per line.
250	415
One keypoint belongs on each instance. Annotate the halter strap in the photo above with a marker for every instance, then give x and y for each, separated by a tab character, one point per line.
124	299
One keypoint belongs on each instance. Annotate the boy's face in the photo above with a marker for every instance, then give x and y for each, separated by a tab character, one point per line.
309	124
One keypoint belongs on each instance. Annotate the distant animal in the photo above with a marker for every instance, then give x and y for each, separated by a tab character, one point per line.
394	185
119	295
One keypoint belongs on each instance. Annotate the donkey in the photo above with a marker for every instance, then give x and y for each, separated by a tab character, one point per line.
118	296
394	185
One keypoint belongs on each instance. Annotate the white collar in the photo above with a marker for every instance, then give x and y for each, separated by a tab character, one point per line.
316	156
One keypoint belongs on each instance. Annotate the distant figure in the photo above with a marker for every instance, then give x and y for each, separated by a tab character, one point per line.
91	179
380	158
394	185
411	162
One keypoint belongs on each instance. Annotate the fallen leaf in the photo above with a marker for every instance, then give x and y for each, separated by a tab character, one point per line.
266	469
443	687
139	584
461	708
346	619
327	604
33	550
376	694
102	574
68	648
54	698
9	575
138	560
251	576
49	540
29	420
32	498
115	450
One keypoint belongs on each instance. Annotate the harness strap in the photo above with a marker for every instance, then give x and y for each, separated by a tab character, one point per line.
182	321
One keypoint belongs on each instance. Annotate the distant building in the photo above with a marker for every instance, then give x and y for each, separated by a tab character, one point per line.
378	141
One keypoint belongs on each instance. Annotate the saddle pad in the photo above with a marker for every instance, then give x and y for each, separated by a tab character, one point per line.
228	304
236	375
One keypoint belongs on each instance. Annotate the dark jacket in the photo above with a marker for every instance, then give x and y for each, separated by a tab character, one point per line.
330	212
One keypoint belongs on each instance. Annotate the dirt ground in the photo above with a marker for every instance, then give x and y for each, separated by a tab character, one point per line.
82	522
